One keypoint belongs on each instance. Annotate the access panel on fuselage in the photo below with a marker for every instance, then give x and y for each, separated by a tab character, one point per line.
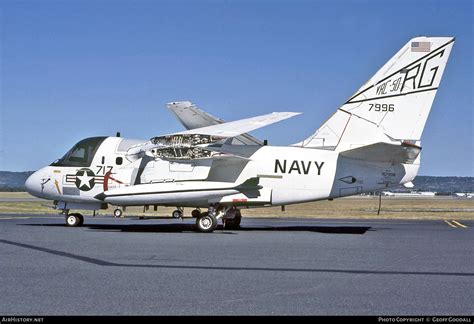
162	170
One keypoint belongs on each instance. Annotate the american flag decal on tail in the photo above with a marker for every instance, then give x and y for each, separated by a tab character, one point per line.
420	46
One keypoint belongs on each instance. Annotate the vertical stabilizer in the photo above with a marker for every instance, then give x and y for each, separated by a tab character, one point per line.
393	106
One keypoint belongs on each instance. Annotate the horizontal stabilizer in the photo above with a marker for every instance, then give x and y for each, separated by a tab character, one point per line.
385	152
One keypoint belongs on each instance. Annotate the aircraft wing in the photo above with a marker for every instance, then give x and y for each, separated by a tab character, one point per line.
238	127
192	117
195	143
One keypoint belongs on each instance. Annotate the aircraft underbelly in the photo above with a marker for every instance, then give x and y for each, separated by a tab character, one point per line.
169	197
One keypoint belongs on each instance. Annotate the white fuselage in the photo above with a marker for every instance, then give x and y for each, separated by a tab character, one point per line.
286	175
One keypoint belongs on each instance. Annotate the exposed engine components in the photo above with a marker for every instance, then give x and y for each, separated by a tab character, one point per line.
175	147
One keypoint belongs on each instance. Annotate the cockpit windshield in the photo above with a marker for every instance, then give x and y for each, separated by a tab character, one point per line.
81	154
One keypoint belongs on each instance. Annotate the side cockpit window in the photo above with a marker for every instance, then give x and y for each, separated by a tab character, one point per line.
82	154
78	155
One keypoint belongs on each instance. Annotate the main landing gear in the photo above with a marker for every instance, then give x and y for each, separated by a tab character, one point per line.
232	222
207	222
178	213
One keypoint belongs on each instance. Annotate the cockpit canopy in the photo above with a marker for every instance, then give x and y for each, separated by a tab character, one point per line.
82	154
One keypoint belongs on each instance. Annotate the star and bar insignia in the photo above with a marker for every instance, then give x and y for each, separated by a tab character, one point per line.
85	179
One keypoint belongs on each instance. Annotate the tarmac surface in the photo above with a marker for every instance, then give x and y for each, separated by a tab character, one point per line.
269	267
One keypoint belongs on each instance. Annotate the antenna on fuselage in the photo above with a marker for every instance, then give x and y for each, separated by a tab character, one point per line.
118	134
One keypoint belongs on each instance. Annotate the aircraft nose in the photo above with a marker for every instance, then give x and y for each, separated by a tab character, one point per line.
33	184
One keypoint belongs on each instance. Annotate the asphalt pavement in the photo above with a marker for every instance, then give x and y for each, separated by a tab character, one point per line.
269	267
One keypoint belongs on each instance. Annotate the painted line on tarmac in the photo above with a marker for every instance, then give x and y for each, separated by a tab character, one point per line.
458	224
447	222
455	224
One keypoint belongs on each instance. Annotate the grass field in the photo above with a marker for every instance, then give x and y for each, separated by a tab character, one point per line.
351	207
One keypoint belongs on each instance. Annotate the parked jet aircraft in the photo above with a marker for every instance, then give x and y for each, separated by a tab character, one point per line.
413	194
370	143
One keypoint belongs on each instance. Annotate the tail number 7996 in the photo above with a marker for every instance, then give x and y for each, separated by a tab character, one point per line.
381	107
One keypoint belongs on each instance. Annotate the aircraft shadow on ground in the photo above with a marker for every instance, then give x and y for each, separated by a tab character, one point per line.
180	228
105	263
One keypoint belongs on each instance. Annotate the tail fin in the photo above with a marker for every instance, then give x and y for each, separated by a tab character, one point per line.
393	106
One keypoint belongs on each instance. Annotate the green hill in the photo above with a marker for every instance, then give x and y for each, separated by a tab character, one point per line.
13	181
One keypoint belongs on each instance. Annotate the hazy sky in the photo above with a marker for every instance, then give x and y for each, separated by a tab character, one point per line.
74	69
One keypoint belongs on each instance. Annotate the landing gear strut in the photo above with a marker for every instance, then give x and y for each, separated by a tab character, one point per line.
74	220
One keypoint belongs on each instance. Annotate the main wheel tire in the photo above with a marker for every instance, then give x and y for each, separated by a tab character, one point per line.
206	223
177	213
74	220
195	213
234	223
118	212
81	219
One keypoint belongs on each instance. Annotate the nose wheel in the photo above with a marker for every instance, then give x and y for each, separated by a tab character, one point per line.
74	220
